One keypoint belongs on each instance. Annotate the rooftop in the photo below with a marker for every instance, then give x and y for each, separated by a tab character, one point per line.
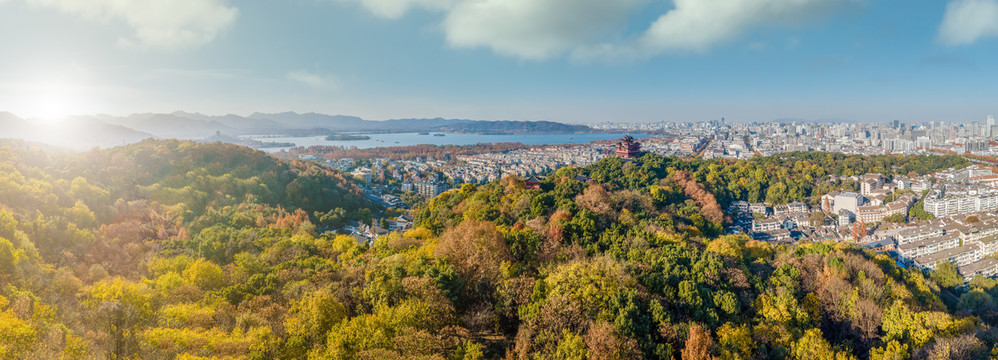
945	254
978	266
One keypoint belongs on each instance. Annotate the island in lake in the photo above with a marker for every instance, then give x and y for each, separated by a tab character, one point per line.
256	144
347	137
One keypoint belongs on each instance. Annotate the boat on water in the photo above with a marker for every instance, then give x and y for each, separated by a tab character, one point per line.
438	134
424	133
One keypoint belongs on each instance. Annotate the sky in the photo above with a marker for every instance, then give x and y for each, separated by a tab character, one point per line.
575	61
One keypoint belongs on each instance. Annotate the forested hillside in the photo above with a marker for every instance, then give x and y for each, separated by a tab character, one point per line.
97	248
166	250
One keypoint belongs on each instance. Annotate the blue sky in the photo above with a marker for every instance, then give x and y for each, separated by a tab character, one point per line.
559	60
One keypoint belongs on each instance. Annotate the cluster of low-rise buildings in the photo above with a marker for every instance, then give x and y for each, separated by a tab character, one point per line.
367	233
482	168
868	206
969	241
771	224
728	148
963	191
964	232
952	199
876	213
386	200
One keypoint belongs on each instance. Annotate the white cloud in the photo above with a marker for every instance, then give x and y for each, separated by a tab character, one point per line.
535	29
697	25
394	9
163	24
967	21
540	29
311	79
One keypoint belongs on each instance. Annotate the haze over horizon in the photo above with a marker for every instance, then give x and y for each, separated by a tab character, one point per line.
554	60
46	120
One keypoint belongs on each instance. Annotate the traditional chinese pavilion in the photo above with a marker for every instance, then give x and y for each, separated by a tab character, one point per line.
532	183
628	148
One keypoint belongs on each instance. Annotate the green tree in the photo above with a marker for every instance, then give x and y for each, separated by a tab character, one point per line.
17	337
205	275
897	218
8	258
571	347
946	274
311	318
817	219
735	342
813	346
120	308
918	212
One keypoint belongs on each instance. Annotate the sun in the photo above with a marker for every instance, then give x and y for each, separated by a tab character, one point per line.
52	102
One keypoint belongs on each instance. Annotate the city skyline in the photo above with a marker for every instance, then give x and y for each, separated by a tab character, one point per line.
622	61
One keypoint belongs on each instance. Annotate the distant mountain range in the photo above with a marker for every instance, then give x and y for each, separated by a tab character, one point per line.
76	133
195	126
105	130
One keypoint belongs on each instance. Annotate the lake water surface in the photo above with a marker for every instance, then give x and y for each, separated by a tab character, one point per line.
408	139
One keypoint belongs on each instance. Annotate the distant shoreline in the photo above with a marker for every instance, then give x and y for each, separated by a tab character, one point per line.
371	140
347	137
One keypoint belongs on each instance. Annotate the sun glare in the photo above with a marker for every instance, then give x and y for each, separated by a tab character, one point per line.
51	102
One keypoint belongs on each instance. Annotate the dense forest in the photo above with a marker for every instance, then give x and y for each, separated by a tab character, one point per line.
168	249
97	248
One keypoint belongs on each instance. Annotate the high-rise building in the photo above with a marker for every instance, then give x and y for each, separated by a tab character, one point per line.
923	142
989	127
974	146
899	145
429	188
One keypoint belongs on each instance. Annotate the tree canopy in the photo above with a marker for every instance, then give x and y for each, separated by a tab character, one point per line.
170	249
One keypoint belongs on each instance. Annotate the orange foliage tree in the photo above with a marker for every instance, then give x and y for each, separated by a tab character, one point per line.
695	191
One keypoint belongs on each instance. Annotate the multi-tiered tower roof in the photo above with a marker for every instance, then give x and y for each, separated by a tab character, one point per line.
628	148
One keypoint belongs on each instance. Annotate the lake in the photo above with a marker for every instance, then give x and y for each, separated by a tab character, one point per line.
408	139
